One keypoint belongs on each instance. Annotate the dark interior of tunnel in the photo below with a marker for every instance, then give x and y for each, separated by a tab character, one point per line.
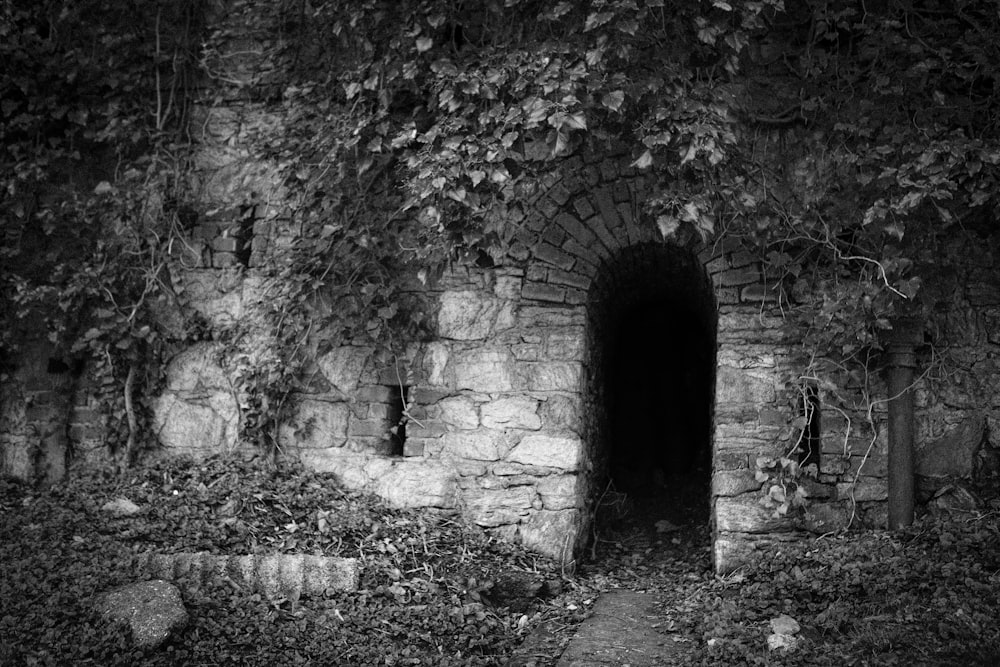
660	383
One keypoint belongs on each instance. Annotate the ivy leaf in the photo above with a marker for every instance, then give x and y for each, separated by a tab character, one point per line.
613	100
424	44
644	161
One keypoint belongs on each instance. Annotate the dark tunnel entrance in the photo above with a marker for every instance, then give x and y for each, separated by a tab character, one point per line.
654	324
660	381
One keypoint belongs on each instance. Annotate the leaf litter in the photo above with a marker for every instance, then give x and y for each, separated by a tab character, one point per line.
437	591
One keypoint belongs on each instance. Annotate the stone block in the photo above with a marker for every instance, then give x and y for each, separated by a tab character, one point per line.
737	385
734	482
197	369
576	229
559	492
496	507
566	345
320	424
745	514
548	451
459	412
864	490
583	207
553	376
554	256
417	483
511	412
359	428
758	293
197	425
483	370
436	362
474	446
470	315
543	292
954	454
569	278
152	609
552	533
507	287
343	366
217	298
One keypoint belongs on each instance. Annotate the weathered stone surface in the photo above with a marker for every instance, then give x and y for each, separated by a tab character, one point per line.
511	412
471	315
475	446
734	482
197	369
483	370
316	424
216	296
746	515
197	412
736	385
152	609
120	507
196	425
954	454
290	575
559	492
418	484
435	362
864	490
566	345
553	376
459	412
562	413
552	533
565	453
343	366
497	507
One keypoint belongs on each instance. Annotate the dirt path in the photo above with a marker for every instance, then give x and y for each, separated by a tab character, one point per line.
624	630
651	553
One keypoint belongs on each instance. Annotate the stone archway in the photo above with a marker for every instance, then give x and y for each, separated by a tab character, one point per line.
652	345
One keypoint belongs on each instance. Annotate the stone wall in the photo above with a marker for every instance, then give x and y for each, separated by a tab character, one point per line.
506	407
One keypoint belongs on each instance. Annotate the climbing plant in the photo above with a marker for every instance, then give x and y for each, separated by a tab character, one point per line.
841	141
92	104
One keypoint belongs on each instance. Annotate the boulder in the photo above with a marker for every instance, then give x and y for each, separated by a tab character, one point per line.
152	609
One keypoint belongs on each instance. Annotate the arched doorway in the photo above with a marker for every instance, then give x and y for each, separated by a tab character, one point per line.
652	317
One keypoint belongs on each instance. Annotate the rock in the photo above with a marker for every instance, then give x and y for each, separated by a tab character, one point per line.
954	499
288	575
954	454
152	609
512	412
515	590
342	366
475	446
734	482
552	533
120	507
548	451
783	631
787	642
418	484
785	625
468	315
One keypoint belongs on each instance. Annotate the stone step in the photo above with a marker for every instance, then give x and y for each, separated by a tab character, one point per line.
275	575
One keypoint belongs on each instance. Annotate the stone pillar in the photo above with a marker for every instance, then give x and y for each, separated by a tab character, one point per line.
903	338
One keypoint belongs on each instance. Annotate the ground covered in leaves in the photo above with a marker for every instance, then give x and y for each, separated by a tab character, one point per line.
435	591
